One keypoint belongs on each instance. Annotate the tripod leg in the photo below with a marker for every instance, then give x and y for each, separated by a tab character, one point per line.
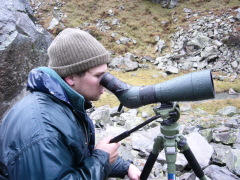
148	166
157	147
194	164
183	146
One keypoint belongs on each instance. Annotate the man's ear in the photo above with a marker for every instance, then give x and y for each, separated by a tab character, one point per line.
69	80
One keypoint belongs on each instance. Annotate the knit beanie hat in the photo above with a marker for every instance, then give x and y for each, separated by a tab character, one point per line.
74	51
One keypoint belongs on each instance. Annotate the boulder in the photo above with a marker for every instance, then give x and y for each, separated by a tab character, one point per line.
219	173
23	46
201	149
228	111
233	161
101	116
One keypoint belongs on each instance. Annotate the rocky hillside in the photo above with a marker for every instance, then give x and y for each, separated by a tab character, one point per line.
140	34
193	35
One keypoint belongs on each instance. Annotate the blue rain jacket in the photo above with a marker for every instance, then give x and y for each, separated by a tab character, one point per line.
48	135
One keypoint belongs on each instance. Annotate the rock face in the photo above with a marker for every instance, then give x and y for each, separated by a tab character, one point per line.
210	42
23	46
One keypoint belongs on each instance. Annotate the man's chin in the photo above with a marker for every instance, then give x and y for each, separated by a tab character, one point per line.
95	99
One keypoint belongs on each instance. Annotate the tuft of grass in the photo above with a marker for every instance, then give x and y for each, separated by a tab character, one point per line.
224	86
214	105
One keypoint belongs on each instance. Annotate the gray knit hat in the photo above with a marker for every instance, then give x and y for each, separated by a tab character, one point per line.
74	51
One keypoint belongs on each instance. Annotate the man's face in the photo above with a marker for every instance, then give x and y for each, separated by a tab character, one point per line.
88	84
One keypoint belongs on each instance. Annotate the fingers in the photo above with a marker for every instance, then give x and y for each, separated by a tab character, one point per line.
106	139
110	148
113	157
133	172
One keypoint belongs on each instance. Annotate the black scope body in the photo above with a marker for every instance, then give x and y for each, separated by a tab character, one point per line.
190	87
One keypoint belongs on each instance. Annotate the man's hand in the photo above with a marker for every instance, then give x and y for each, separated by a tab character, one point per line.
133	172
111	149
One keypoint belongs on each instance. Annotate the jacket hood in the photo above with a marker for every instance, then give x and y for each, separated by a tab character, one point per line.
46	80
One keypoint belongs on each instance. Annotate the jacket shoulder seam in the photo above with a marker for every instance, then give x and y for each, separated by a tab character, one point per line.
14	156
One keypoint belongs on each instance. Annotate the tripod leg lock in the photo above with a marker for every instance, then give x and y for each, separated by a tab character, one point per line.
182	143
171	150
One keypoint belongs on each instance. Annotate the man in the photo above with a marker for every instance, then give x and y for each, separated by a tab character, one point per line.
48	135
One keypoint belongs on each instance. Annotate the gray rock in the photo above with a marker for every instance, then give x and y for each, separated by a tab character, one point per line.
220	153
209	53
160	46
233	161
133	111
172	70
23	46
115	21
54	22
219	173
131	121
185	107
123	63
201	149
141	142
200	41
207	133
234	64
238	138
145	114
225	137
110	131
115	111
228	111
187	11
181	161
206	40
233	123
124	40
101	116
102	25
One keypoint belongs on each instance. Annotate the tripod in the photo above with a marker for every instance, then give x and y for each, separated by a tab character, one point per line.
170	140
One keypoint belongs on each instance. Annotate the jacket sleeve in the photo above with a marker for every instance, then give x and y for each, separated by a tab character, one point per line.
119	168
50	158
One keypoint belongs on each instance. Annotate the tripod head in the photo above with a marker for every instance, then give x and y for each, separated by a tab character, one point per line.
170	112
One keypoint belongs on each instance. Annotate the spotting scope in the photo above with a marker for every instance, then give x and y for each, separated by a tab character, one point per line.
190	87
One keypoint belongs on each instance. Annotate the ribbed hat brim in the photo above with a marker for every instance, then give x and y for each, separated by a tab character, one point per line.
82	66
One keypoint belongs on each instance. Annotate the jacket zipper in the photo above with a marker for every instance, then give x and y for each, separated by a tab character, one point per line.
84	127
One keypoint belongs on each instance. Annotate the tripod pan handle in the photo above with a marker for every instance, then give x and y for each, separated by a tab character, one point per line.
120	137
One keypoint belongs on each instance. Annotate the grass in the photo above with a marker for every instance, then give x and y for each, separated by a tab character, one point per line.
223	86
213	106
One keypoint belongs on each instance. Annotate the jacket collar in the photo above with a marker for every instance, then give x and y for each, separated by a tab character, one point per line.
46	80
